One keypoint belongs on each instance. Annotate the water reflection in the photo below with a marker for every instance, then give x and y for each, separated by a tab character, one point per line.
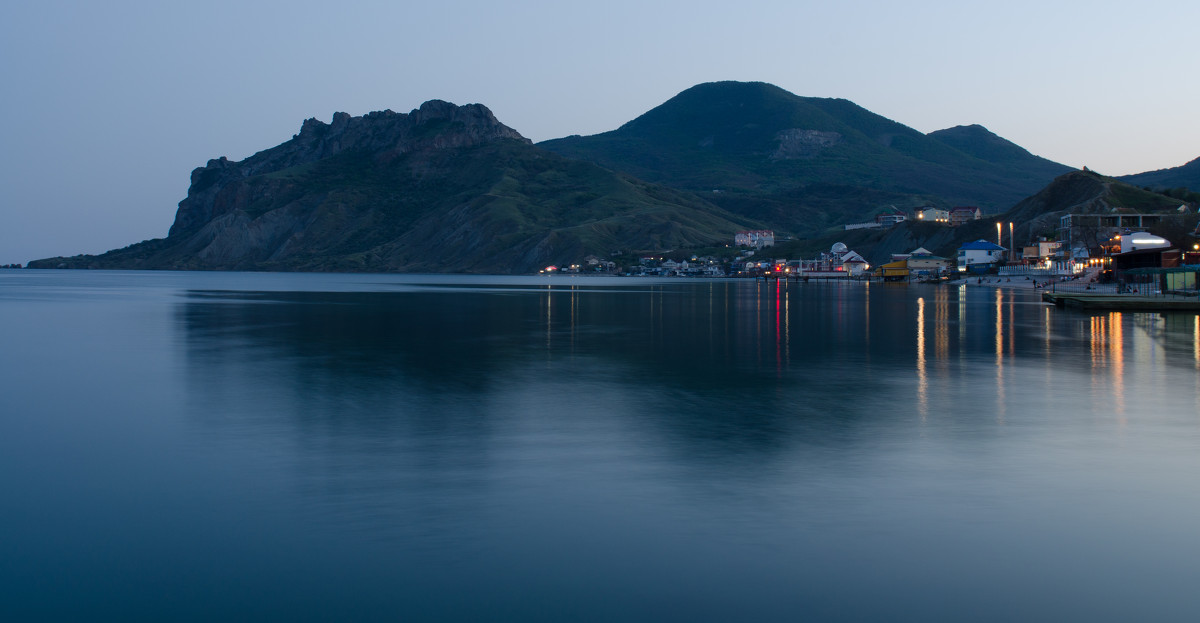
922	374
415	355
1001	404
714	372
717	450
1107	342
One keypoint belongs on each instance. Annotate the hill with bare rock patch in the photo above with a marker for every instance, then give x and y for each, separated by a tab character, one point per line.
443	188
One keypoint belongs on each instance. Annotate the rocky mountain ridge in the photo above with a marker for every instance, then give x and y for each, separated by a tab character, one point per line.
442	189
448	188
436	124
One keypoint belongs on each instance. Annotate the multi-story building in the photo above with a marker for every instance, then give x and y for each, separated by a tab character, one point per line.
757	238
892	216
933	215
979	256
962	215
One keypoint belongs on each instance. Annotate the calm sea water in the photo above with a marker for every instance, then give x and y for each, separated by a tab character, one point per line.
225	446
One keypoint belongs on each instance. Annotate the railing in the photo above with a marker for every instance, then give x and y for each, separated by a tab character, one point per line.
1026	271
1132	283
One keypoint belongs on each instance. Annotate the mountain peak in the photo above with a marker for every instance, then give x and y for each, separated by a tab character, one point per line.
979	142
1085	192
435	125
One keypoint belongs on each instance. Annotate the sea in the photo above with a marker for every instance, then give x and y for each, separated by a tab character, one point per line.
215	446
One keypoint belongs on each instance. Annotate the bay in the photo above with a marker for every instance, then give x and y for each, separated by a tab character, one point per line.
251	446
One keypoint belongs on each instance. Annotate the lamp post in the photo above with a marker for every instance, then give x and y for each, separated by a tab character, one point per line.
1012	244
998	230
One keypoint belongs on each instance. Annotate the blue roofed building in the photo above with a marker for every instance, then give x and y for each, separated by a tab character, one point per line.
980	256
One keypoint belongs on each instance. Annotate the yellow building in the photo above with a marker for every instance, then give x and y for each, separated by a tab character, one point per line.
893	271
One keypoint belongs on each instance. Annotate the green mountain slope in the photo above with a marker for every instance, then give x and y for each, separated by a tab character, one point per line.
977	141
1185	176
802	163
444	189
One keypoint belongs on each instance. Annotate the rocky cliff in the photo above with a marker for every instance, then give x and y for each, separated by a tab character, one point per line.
443	188
436	124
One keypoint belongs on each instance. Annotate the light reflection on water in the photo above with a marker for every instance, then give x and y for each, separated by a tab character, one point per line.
537	449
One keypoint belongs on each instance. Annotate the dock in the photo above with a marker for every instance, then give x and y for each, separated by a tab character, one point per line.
1123	302
838	275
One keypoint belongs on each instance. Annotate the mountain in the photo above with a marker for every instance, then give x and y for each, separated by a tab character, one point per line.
804	163
977	141
1185	176
1087	192
443	188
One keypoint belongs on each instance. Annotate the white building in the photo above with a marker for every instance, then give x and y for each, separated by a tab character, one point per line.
979	256
854	263
933	215
1140	241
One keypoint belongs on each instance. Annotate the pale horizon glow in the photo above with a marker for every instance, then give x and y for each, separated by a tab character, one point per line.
111	105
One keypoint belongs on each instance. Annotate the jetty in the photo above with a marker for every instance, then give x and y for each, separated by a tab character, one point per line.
1123	302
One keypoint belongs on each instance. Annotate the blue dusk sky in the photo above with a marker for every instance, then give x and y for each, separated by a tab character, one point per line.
108	106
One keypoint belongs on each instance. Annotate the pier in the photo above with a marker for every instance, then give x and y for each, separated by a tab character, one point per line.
1123	302
838	275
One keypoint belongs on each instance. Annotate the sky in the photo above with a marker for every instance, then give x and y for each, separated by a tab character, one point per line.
108	106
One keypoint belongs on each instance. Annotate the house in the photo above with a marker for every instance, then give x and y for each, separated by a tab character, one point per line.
891	216
757	238
962	215
854	263
933	215
838	260
922	262
919	262
1043	251
893	271
979	256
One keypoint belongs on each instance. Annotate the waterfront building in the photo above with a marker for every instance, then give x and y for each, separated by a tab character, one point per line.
1042	251
917	263
839	259
979	256
1142	241
922	262
854	263
893	271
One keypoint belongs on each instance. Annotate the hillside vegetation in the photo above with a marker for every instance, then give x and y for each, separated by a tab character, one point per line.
391	194
804	164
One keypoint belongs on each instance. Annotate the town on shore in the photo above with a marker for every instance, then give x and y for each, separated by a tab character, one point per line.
1123	257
